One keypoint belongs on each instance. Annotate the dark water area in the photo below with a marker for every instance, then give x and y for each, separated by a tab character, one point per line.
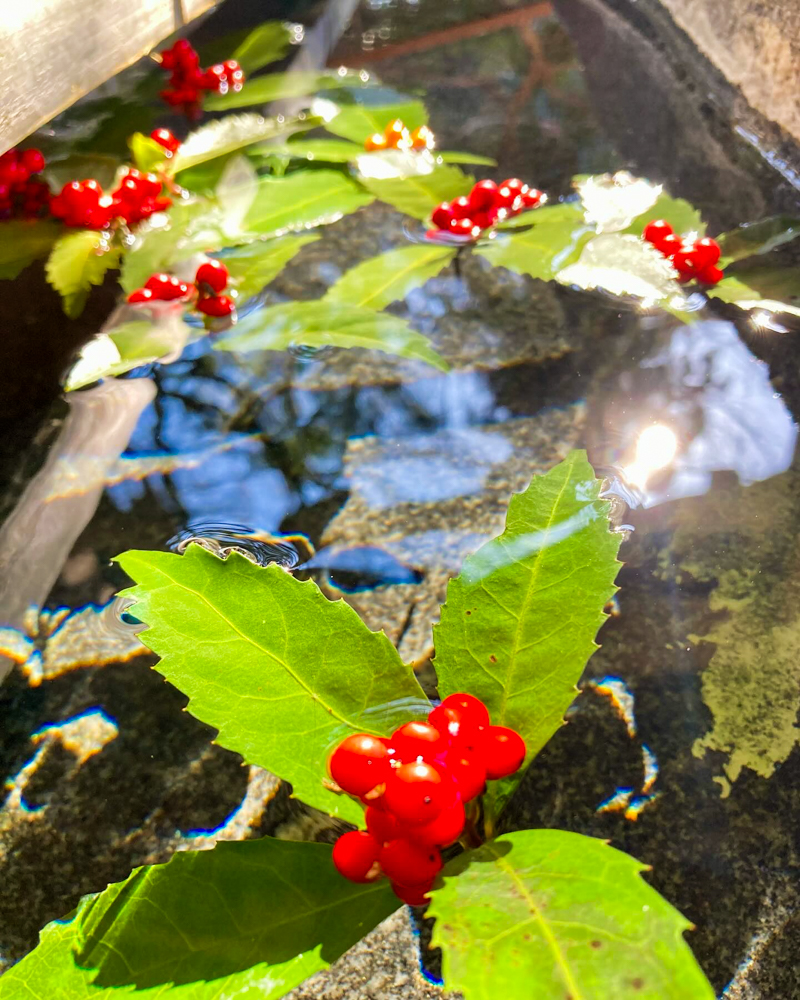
375	476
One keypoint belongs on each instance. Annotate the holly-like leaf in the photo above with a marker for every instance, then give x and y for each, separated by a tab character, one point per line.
391	276
281	672
322	323
23	241
757	237
520	620
303	200
558	915
418	194
76	166
612	201
624	265
276	86
358	122
226	135
265	44
147	154
250	920
327	150
456	156
252	267
76	262
555	237
680	214
777	284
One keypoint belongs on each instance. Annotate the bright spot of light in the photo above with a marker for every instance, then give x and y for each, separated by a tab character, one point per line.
655	449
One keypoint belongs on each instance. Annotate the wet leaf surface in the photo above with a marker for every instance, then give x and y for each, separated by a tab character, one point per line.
357	122
253	266
555	237
303	200
226	135
418	195
391	276
77	261
757	237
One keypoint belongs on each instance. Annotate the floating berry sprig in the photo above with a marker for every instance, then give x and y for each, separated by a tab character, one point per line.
82	204
694	260
210	280
397	136
487	204
188	81
20	192
415	785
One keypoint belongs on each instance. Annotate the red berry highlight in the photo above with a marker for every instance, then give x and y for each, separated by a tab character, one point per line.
417	740
165	138
214	274
692	259
504	752
361	761
487	204
355	855
415	793
215	305
656	231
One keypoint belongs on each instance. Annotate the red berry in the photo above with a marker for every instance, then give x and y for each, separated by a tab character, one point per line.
484	220
214	274
442	215
165	138
468	772
670	245
532	198
360	762
409	864
509	199
166	287
33	161
141	295
516	185
417	739
415	793
413	895
382	825
355	855
711	275
458	724
461	208
472	709
442	831
504	752
483	196
463	227
656	231
684	261
707	252
219	305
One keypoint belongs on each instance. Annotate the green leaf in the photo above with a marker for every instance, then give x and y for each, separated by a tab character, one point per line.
683	217
302	200
612	201
282	672
322	323
250	920
253	267
226	135
558	915
391	276
419	194
757	237
778	284
265	44
555	238
76	166
23	241
147	154
358	122
520	620
327	150
454	156
275	87
76	262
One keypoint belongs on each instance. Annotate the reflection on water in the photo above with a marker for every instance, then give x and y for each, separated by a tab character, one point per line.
261	548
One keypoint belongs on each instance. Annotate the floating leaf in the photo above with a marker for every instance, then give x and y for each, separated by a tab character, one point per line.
558	915
778	284
358	122
226	135
275	87
683	217
757	237
254	266
418	195
391	276
520	620
282	672
23	241
76	262
147	154
302	200
323	323
556	235
265	44
137	342
250	920
624	265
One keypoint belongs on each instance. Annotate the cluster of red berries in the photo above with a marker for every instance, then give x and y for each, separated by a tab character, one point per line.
397	136
415	785
83	204
187	80
165	138
694	260
20	192
211	279
487	204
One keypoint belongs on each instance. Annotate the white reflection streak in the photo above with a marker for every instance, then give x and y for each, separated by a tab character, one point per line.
656	448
